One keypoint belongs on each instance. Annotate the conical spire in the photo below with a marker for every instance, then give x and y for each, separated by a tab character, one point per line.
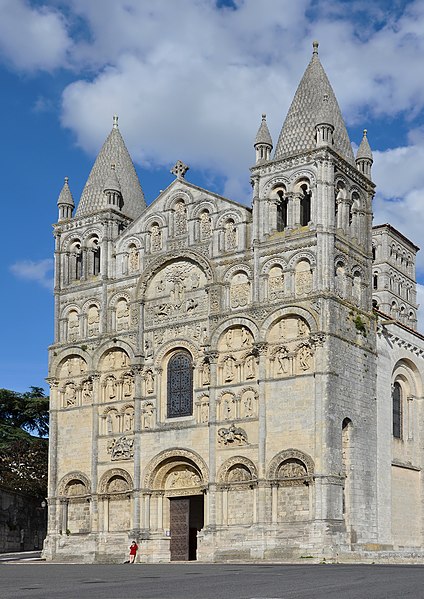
364	150
263	135
65	201
263	142
364	156
298	131
114	152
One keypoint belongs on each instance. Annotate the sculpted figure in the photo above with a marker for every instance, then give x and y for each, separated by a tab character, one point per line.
148	417
110	388
283	361
129	420
149	382
305	357
180	218
230	235
127	386
250	367
70	395
204	412
87	391
206	373
205	225
246	337
229	338
133	260
229	369
155	238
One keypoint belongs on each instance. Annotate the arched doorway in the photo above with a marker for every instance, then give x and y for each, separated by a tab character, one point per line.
178	483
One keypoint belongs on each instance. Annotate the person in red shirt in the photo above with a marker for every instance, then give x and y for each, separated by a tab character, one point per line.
133	551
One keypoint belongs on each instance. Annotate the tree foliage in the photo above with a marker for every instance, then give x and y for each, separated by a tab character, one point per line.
24	456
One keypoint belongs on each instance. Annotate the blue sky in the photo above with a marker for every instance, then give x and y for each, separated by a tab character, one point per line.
189	80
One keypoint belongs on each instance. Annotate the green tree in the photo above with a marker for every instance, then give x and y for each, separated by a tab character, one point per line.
24	424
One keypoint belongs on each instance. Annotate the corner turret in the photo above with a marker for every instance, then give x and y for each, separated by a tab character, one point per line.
324	127
263	142
65	202
364	158
112	189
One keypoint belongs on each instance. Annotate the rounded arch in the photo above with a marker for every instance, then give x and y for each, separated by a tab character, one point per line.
204	204
273	186
75	475
233	462
242	321
70	242
300	177
271	262
235	215
155	219
290	454
172	346
71	308
112	474
172	257
120	295
173	456
406	371
236	269
113	344
299	256
70	352
281	313
178	195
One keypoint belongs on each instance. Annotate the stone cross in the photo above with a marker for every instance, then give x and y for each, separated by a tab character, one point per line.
179	169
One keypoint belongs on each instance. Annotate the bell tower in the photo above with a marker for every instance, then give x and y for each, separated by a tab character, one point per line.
312	210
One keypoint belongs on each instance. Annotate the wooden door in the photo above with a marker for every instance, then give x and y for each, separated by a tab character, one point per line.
180	528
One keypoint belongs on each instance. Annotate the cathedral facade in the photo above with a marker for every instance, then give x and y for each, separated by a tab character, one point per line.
233	382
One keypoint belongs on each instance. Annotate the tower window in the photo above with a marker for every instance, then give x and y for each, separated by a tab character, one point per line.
375	282
397	411
281	211
180	385
305	206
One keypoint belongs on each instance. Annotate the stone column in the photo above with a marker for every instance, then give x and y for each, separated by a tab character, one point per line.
52	474
95	452
212	357
136	370
260	349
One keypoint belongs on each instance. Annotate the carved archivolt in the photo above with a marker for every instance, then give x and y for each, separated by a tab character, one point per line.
161	464
302	256
115	480
295	461
289	312
77	477
179	194
237	461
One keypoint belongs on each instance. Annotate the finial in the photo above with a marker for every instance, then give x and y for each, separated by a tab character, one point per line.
115	121
365	132
263	116
179	169
315	45
66	180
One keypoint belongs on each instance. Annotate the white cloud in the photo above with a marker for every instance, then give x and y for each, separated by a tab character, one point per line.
196	91
40	271
420	301
32	38
399	201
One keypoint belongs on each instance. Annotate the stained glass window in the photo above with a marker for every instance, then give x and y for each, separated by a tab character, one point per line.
180	385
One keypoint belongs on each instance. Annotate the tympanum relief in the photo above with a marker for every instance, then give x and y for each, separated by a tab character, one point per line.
76	389
291	349
239	290
176	292
237	361
117	382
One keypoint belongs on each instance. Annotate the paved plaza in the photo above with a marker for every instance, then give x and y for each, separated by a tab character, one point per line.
40	580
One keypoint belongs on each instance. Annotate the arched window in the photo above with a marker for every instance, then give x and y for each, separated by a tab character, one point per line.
96	258
375	281
397	410
180	385
373	253
305	206
281	210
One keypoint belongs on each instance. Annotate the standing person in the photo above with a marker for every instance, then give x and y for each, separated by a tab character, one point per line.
133	551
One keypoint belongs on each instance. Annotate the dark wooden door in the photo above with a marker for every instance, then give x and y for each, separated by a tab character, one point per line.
180	528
